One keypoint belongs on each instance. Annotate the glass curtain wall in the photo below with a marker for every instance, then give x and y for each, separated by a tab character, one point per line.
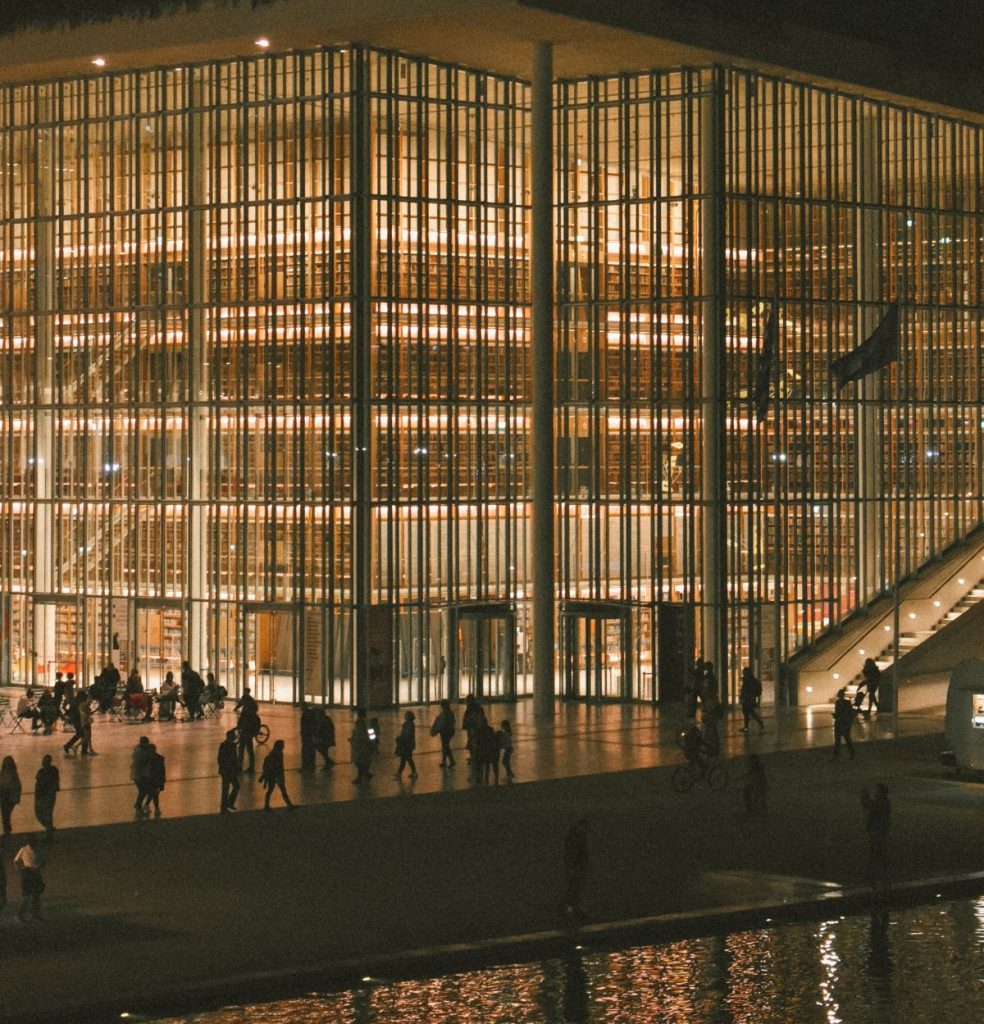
180	380
630	309
837	206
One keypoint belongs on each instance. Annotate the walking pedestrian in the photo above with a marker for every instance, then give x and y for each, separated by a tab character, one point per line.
28	862
192	687
140	774
749	696
486	753
406	743
470	722
444	727
361	746
156	778
575	870
272	775
309	736
46	785
74	711
10	792
843	720
755	790
878	819
326	738
872	680
505	740
711	714
249	728
229	772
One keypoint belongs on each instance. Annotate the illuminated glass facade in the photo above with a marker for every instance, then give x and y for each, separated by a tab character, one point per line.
264	367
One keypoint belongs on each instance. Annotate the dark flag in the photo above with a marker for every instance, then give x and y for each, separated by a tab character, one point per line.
768	364
875	353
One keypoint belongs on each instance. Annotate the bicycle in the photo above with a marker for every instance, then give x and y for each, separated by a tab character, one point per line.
688	775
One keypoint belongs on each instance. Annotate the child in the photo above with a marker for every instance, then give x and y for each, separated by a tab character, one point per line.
504	737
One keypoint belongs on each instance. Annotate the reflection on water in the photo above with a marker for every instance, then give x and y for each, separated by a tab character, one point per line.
922	965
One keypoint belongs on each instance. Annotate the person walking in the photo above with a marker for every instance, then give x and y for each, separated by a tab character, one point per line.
843	720
576	862
444	727
755	789
249	728
878	819
486	753
309	736
406	743
361	746
28	862
326	738
74	712
47	782
229	772
471	720
10	792
505	741
272	775
872	680
156	778
140	774
749	696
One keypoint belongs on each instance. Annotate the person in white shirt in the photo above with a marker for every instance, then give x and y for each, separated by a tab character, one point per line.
26	709
27	860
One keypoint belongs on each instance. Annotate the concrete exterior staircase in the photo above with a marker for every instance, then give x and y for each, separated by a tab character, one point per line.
941	619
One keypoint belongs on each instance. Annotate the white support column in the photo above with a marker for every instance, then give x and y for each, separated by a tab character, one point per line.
713	562
198	398
542	436
869	435
44	418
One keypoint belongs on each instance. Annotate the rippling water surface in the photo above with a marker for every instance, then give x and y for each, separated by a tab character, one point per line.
910	966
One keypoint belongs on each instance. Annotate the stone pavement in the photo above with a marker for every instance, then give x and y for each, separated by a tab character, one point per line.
148	915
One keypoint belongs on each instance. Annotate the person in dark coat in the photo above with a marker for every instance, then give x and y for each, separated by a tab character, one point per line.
470	722
309	736
444	727
326	738
872	680
140	774
191	692
229	772
486	753
406	743
10	791
249	727
843	720
272	776
156	777
46	786
878	819
749	697
361	746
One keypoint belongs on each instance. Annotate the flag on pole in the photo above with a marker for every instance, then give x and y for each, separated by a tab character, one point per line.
874	353
768	364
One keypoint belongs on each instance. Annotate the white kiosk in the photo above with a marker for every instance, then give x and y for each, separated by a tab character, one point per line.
965	715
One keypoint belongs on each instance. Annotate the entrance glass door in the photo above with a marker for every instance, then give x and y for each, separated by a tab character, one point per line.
270	653
481	653
161	642
596	646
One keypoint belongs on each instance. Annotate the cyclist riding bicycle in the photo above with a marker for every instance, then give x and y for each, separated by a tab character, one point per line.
696	750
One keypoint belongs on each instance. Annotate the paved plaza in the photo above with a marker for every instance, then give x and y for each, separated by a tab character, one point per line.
199	908
584	739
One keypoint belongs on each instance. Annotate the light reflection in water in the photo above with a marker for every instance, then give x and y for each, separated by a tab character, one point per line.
922	966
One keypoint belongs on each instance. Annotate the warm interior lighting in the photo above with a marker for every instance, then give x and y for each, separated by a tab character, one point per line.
100	62
263	43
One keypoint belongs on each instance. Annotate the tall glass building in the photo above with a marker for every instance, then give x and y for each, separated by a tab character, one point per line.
267	387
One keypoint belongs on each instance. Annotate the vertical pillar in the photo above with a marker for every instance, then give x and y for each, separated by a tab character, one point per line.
361	255
869	435
198	399
542	437
44	378
713	563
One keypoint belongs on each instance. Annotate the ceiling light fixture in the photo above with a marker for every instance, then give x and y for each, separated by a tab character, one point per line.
263	42
100	62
